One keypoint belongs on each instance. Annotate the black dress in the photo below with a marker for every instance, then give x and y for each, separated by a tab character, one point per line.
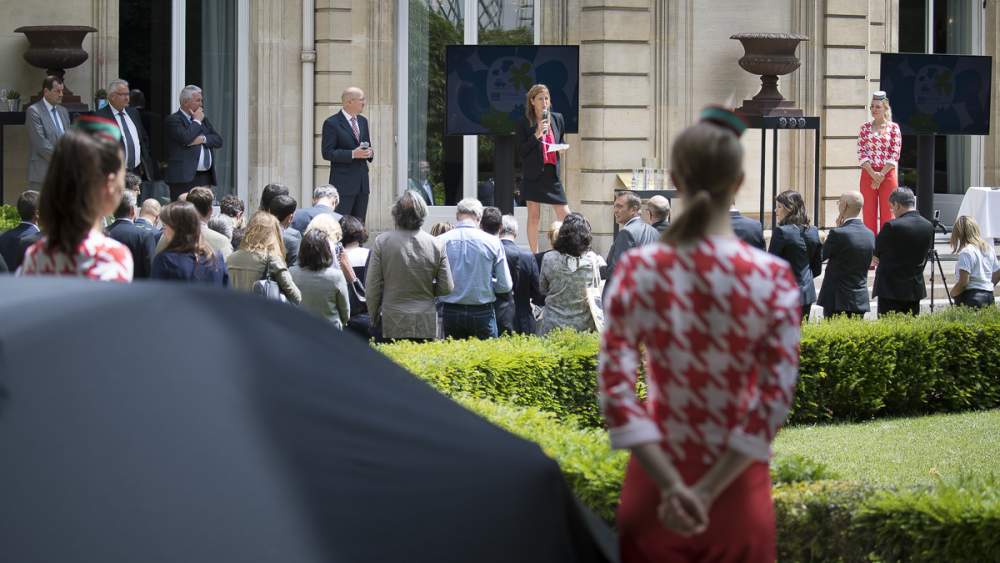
541	181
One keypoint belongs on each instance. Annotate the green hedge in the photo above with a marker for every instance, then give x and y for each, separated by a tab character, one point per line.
8	217
815	520
850	369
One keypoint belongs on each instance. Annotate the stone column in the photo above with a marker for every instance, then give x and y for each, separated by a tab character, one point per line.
105	50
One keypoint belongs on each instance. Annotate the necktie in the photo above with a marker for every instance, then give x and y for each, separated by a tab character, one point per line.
354	127
127	139
57	122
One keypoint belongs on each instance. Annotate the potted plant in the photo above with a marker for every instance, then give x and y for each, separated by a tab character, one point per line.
13	100
100	98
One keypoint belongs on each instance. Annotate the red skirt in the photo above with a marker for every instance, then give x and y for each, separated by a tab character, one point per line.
740	529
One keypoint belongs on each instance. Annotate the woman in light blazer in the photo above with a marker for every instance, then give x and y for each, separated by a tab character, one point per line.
407	269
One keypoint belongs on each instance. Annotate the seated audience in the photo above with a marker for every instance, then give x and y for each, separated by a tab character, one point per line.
188	256
658	213
524	277
746	229
222	224
325	200
479	271
84	184
283	208
354	263
15	241
566	274
848	251
977	270
901	249
438	229
202	199
798	243
261	254
318	277
140	242
407	270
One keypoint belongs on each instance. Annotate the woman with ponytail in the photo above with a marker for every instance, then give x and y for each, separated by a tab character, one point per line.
719	322
83	185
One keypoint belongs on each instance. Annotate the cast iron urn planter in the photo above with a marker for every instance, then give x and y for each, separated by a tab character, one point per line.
769	55
56	48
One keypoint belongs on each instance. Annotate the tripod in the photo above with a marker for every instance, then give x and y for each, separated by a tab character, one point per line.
935	260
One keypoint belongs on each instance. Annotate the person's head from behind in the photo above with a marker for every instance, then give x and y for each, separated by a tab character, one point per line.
706	165
441	228
491	221
127	206
626	207
966	232
409	211
326	195
136	98
354	231
790	209
316	251
658	209
508	229
469	209
553	233
133	183
151	210
270	192
27	206
222	224
902	201
84	183
202	199
326	223
232	206
849	205
182	228
574	236
283	208
263	235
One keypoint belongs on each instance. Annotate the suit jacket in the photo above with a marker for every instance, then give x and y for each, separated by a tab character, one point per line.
145	155
747	230
141	242
660	226
524	275
42	137
848	252
293	240
348	174
303	216
901	247
15	241
634	233
182	160
531	148
144	224
801	248
406	271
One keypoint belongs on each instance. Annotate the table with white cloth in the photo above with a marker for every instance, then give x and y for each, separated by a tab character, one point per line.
983	205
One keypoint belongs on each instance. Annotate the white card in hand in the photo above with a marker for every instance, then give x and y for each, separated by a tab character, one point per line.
554	147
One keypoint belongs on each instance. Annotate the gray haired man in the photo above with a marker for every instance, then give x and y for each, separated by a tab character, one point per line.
190	139
134	141
325	200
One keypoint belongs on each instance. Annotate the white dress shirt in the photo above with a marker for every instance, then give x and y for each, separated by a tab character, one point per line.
205	160
128	127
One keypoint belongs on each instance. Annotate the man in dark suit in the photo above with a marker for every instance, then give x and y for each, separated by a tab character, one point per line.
283	209
190	139
149	217
503	307
901	250
658	213
848	251
15	241
347	145
140	242
325	199
633	232
134	141
746	229
524	275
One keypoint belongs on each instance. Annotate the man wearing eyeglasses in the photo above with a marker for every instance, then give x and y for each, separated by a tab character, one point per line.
135	141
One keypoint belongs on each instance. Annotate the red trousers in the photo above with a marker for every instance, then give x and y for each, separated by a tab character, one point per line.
876	210
740	528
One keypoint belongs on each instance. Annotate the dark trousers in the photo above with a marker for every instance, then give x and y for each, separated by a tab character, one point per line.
355	205
469	321
200	179
975	298
848	314
886	306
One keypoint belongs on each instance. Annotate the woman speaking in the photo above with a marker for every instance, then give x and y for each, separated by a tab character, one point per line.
536	133
879	142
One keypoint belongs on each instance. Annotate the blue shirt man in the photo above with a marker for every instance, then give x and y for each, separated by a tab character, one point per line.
479	270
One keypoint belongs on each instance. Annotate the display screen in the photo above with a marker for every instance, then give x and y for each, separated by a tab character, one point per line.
938	94
486	85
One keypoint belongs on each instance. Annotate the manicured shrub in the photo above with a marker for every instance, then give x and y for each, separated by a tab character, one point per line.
814	521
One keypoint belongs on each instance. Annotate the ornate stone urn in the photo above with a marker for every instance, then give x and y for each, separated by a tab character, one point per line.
769	55
56	48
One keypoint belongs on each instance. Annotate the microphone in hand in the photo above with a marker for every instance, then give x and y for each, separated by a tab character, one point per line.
545	121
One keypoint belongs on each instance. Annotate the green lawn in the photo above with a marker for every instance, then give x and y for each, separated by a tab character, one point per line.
901	451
